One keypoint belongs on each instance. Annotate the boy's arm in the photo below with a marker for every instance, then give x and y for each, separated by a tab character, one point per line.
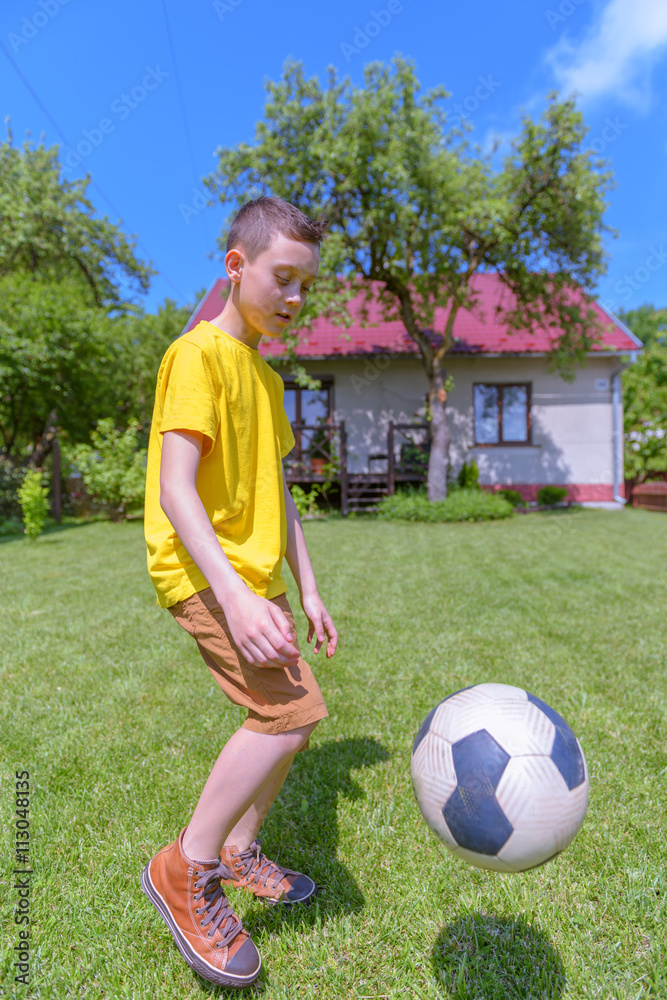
321	624
259	628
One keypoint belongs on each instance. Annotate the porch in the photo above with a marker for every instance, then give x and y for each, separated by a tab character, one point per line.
320	457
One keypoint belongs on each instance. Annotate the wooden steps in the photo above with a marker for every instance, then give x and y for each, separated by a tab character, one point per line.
364	491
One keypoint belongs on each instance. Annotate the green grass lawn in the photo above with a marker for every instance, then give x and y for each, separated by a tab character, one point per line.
108	706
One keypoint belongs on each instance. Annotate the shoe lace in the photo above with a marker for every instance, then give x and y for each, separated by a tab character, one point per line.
252	860
216	905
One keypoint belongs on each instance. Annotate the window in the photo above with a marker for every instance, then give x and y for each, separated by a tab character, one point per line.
502	413
309	406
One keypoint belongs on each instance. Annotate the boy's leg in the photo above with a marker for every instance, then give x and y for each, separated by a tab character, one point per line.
247	828
250	868
185	880
284	706
244	781
217	826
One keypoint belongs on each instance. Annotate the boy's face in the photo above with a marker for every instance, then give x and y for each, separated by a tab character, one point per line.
272	289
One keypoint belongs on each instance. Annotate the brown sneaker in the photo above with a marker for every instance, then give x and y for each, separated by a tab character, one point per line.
252	870
188	896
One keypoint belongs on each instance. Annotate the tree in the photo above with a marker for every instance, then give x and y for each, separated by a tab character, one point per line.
113	468
139	341
414	215
62	272
59	354
53	356
645	397
647	323
48	228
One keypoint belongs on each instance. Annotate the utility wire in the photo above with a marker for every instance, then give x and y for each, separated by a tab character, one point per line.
94	184
184	116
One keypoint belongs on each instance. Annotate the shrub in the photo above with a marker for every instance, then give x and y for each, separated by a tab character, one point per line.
468	478
512	496
461	505
11	477
548	495
476	505
113	469
33	496
414	457
410	505
10	526
305	503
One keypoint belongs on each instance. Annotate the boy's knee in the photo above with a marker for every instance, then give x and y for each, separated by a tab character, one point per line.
300	738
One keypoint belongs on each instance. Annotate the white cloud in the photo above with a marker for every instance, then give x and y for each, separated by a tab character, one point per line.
616	56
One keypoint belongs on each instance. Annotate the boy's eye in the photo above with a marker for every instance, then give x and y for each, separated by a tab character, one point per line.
283	281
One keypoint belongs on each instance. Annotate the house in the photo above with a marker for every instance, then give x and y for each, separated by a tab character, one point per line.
524	426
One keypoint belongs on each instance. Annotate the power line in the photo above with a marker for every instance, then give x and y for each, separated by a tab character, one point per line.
94	184
181	100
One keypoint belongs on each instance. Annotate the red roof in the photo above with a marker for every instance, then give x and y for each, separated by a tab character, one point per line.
476	331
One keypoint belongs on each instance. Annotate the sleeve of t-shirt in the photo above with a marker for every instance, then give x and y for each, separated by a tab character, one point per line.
190	400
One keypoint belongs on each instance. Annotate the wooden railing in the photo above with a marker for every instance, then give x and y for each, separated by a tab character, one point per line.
320	450
320	456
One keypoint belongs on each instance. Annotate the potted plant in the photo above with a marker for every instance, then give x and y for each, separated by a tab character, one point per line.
320	446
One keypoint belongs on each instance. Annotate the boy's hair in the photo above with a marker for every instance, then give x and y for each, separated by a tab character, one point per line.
258	223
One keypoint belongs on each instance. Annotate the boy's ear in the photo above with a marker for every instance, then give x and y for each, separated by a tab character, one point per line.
234	261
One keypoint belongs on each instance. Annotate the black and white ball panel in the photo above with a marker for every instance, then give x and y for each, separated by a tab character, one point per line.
500	777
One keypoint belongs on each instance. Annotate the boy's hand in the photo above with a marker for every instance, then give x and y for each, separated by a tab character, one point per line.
260	630
321	623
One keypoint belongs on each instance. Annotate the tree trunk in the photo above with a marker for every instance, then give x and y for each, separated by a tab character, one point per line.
44	445
437	392
57	482
437	466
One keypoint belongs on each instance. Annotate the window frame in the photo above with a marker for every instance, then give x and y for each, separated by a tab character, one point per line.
327	382
500	443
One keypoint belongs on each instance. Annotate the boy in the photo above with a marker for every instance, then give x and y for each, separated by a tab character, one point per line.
219	519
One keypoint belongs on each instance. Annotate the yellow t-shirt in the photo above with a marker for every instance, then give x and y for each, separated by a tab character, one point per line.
211	383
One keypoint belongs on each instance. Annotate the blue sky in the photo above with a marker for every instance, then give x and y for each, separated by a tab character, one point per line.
147	91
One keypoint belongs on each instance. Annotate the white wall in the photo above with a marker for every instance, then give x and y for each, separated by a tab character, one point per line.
572	421
367	395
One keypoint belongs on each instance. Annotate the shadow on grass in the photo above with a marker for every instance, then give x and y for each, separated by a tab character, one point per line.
301	832
495	958
302	827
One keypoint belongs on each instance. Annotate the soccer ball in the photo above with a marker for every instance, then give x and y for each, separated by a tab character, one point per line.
500	777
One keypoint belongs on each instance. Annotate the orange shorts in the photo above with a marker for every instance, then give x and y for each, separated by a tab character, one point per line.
278	699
